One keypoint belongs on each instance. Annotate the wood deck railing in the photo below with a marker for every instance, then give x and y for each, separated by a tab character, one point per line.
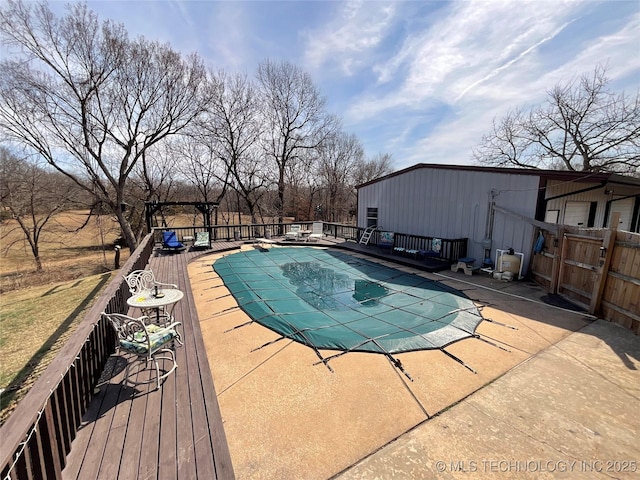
37	437
451	248
258	230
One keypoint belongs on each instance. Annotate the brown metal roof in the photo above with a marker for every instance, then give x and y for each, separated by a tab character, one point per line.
563	175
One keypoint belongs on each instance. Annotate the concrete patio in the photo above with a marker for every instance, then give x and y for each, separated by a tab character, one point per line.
562	403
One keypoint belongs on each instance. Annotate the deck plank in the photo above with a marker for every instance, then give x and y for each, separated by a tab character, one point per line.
132	445
116	437
100	433
148	464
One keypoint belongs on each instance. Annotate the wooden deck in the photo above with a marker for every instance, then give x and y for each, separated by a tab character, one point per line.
175	432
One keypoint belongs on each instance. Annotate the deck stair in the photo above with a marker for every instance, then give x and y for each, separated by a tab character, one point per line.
366	236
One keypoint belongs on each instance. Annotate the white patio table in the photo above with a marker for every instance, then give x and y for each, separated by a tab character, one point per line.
165	299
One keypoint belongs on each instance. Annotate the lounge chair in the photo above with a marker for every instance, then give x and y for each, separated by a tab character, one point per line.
293	233
316	232
170	241
148	342
202	240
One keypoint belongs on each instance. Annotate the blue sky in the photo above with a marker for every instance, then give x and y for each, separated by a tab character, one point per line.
421	80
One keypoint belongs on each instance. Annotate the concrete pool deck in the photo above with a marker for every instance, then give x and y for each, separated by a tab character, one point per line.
557	396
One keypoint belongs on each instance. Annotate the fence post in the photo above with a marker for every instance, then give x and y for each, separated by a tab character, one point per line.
608	242
558	259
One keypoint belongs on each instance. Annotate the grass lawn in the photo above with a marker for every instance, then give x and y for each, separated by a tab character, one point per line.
34	325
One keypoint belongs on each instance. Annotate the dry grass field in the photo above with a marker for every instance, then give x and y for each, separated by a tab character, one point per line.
35	324
39	310
67	251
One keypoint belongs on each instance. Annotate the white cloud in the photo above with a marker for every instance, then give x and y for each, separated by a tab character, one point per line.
227	34
475	42
619	50
481	59
502	68
358	28
453	142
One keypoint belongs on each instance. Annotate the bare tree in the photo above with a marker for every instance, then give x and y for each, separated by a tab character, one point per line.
294	117
506	144
90	101
154	178
199	166
300	179
339	158
33	196
251	181
582	127
232	129
376	167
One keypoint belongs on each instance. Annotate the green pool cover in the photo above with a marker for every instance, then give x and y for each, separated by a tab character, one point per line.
330	300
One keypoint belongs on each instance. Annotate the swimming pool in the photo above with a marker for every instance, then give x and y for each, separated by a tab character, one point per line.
330	300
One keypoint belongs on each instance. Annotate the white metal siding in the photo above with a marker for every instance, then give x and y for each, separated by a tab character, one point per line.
564	190
454	204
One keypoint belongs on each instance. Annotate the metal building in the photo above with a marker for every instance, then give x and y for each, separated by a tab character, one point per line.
457	202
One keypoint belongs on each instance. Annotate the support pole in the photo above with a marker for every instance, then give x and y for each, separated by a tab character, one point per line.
603	268
557	261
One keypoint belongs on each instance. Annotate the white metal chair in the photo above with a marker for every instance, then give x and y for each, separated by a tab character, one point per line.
293	233
148	342
145	281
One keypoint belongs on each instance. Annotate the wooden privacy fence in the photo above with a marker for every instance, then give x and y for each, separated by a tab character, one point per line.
598	269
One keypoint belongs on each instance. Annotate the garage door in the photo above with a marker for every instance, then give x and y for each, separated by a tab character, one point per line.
625	207
577	213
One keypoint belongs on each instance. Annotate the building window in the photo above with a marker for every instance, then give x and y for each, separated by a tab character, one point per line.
552	216
372	217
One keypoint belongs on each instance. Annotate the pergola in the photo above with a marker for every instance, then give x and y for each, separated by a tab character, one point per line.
206	208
